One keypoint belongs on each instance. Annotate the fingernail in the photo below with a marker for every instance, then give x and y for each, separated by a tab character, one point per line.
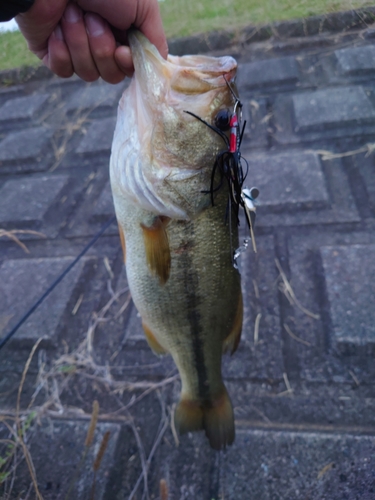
94	24
72	13
58	33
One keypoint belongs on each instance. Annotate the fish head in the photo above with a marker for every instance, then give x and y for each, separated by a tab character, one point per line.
174	151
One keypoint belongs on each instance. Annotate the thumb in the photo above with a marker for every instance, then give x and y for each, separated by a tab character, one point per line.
124	60
38	23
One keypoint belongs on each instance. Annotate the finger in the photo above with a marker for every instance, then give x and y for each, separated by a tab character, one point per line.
58	58
102	46
76	38
122	14
38	23
124	59
149	21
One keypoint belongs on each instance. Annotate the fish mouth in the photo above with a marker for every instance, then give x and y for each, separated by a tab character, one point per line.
190	74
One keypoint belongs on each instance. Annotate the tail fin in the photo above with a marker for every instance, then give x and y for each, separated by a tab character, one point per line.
215	417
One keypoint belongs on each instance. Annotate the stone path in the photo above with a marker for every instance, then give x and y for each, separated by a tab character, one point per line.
302	383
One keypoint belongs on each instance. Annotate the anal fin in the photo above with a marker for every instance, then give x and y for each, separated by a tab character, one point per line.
152	342
158	254
231	342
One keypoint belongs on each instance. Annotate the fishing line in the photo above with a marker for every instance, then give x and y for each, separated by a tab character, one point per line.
9	335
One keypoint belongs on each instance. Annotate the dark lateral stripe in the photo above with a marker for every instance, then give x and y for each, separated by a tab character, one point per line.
192	302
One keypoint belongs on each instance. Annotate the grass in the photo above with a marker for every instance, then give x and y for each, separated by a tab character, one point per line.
206	15
14	52
186	17
57	378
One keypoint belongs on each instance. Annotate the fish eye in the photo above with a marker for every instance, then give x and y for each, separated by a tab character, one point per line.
222	120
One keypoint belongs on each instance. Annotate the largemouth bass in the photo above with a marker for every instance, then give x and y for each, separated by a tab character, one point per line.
176	244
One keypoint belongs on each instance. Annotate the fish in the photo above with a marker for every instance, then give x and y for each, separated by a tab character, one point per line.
176	242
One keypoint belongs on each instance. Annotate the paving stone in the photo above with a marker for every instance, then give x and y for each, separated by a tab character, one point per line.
65	442
363	164
187	468
323	360
28	200
257	118
25	145
288	181
261	464
104	206
127	466
339	107
135	331
22	108
25	281
270	72
98	137
133	355
337	408
340	205
261	359
358	60
10	92
94	96
284	129
97	205
350	277
190	470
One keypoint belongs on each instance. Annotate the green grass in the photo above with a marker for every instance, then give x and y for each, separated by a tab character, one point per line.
185	17
14	52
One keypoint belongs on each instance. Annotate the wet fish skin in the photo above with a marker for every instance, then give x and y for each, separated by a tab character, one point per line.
176	245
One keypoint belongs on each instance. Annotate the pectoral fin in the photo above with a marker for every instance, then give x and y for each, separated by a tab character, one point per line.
231	342
158	254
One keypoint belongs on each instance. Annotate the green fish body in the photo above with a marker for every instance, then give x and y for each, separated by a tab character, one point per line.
177	245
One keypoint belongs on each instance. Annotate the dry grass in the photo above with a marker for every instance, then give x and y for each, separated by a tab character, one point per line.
63	373
256	328
325	469
66	125
163	489
286	288
12	235
328	155
289	390
301	341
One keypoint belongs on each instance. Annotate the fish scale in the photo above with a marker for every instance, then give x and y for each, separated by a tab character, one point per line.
178	258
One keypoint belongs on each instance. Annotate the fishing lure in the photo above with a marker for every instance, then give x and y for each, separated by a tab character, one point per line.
229	163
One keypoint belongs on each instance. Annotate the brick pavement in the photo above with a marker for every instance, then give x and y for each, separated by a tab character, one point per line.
302	387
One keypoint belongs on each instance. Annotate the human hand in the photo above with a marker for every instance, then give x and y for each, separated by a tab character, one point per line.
83	37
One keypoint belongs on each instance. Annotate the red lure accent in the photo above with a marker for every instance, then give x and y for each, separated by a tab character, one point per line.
233	133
